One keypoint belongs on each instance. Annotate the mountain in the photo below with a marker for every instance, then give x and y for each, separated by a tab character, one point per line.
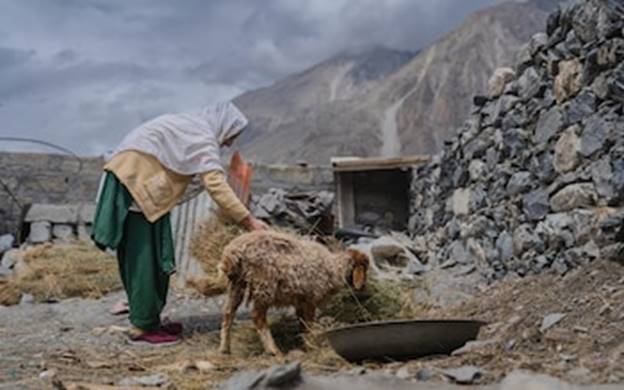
379	101
432	94
304	107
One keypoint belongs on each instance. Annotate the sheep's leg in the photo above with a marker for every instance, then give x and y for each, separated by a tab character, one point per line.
309	314
258	315
300	312
234	299
305	315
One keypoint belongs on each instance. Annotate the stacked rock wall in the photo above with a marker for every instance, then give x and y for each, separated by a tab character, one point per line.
29	178
534	180
33	178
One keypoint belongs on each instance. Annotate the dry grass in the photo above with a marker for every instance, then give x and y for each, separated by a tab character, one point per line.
379	300
590	336
207	246
181	363
53	272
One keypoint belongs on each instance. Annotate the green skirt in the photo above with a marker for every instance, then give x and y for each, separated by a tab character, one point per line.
111	216
145	251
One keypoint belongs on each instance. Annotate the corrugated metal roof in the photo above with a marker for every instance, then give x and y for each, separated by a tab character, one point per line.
185	219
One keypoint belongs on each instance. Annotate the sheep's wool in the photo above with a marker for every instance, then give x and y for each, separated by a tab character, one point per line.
281	269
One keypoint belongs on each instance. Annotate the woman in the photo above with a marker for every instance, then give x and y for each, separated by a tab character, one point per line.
145	177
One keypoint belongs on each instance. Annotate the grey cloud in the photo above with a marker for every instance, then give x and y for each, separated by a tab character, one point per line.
10	58
83	72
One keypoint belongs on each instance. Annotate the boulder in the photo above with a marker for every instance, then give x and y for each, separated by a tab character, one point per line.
11	257
536	204
63	232
505	246
579	195
529	82
52	213
84	232
390	257
6	242
602	174
568	81
461	201
615	84
498	81
86	213
519	182
525	239
476	170
40	232
549	124
594	136
566	151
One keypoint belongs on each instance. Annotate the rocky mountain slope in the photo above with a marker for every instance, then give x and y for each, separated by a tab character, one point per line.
434	91
535	178
318	107
386	102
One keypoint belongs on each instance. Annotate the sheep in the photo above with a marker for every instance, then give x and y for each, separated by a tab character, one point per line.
278	270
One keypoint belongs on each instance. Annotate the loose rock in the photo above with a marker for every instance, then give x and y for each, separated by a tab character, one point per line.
464	375
551	320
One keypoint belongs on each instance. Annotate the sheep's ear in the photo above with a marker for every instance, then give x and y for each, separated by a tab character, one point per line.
358	257
358	277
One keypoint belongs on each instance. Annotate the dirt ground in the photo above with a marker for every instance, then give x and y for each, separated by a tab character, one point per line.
79	340
585	346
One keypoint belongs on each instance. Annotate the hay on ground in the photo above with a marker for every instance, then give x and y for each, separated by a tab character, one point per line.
63	271
207	245
379	300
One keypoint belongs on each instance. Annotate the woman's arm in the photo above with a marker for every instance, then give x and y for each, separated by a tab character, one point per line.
226	199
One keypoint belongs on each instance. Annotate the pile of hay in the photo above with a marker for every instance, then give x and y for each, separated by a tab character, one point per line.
206	247
379	300
51	272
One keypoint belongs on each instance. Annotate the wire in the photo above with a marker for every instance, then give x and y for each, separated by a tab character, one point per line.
5	186
48	144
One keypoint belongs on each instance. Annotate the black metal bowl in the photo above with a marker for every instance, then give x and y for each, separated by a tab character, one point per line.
401	340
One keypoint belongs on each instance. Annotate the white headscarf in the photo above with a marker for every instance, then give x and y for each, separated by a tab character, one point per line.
187	143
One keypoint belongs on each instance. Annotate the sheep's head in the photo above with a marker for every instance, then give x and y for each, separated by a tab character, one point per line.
358	267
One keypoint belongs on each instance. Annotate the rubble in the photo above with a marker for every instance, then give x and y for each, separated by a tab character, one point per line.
391	256
551	320
303	211
464	375
530	162
147	380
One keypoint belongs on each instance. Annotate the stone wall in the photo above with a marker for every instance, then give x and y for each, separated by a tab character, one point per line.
317	178
64	222
534	180
29	178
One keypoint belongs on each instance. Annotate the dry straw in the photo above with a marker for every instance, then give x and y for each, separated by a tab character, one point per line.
51	272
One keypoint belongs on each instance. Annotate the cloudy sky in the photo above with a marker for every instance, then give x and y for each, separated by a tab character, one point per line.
81	73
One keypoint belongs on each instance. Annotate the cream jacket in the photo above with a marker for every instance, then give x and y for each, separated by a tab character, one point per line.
156	189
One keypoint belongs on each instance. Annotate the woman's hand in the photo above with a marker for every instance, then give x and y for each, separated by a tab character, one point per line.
251	223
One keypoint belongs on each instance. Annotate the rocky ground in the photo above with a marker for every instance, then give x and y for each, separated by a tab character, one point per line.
518	222
79	340
568	327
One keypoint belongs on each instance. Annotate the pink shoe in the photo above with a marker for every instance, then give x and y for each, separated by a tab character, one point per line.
120	308
173	328
155	337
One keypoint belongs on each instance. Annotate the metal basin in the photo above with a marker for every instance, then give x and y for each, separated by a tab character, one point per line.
401	340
